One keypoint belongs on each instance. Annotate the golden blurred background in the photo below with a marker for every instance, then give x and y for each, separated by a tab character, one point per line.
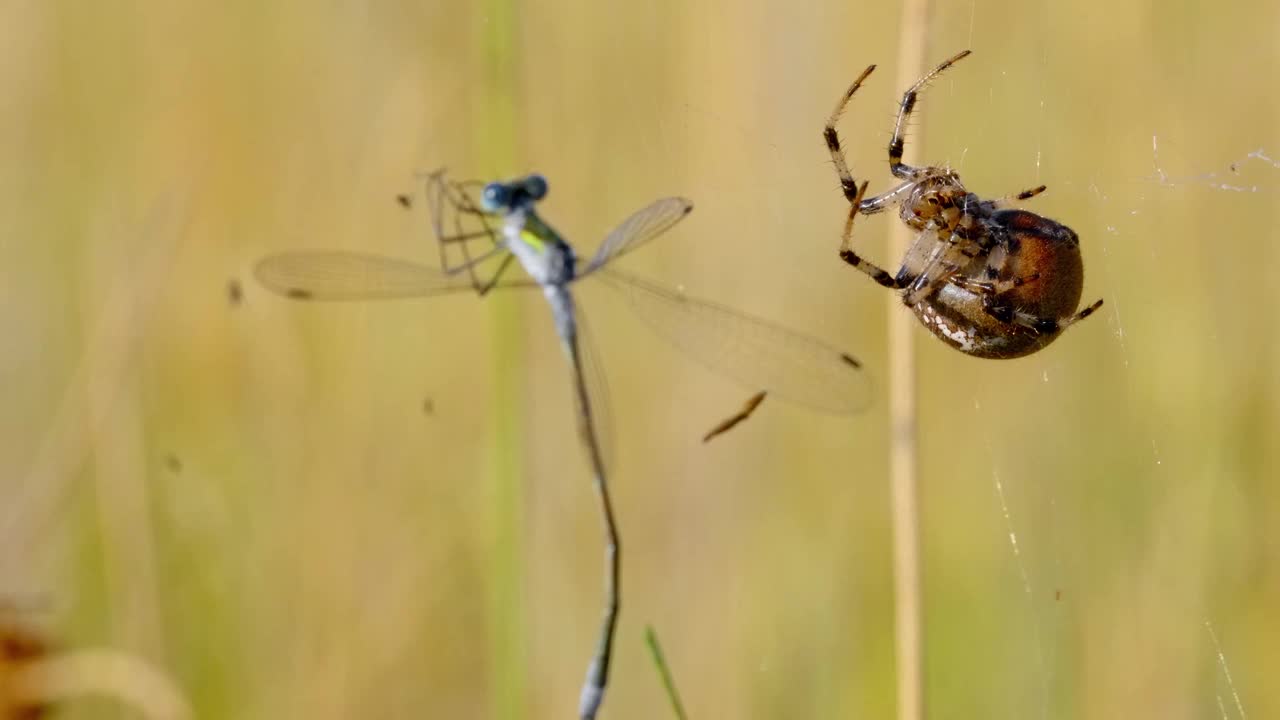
382	510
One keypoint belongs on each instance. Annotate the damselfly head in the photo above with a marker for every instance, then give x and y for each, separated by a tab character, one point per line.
500	197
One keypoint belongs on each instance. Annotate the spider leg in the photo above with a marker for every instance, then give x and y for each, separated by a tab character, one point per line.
847	183
937	273
1008	200
992	287
884	200
828	133
1039	325
954	251
875	272
908	104
968	237
968	242
1081	315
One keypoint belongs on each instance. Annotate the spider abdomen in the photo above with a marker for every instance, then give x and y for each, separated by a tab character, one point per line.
1047	251
1038	280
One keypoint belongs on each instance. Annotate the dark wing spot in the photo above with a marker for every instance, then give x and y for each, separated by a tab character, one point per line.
405	201
851	361
299	294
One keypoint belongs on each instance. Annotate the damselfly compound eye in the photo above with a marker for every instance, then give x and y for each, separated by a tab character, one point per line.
535	186
495	197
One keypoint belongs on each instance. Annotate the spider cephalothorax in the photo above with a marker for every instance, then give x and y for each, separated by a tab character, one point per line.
988	280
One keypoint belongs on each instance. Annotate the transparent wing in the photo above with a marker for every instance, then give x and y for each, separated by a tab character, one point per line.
338	275
755	352
643	226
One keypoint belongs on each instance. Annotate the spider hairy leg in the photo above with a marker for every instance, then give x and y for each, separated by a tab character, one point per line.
1008	200
897	144
847	184
939	271
1039	325
1081	315
875	272
993	287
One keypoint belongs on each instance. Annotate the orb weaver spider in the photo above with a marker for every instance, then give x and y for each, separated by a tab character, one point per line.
989	280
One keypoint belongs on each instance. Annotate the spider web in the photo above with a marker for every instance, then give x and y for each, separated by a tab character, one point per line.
1076	473
1127	210
1096	517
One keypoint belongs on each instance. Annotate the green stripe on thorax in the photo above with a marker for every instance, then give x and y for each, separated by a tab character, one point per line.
538	234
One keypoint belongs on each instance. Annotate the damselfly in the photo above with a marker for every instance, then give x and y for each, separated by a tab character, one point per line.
504	220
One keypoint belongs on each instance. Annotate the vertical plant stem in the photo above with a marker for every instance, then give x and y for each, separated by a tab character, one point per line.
495	25
903	467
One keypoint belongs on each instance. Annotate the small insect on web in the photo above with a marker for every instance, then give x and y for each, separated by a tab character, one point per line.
988	280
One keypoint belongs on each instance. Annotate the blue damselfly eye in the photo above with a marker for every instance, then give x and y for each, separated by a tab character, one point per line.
495	197
535	187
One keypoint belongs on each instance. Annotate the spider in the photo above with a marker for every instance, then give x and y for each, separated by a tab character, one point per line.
989	280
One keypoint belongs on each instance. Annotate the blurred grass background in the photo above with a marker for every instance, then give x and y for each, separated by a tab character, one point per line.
381	510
